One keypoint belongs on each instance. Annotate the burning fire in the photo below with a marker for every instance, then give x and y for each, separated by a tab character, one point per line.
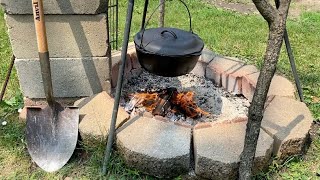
168	100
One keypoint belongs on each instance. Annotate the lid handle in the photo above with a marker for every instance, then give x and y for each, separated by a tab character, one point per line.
143	29
171	32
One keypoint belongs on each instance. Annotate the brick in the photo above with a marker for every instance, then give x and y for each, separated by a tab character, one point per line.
280	86
218	148
219	66
68	35
154	147
56	7
288	121
116	62
72	77
95	116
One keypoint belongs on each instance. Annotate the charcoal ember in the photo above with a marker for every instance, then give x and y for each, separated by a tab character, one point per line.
207	96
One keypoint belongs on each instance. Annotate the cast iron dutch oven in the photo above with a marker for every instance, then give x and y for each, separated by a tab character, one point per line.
168	52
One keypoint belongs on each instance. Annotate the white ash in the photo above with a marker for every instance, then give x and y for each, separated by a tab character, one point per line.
215	100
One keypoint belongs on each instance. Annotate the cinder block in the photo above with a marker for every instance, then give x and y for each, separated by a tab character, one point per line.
72	77
56	6
68	35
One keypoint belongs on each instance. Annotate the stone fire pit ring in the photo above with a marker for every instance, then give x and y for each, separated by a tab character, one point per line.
156	146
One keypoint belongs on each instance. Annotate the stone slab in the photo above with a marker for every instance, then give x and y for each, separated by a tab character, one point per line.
56	6
217	150
155	147
95	116
68	35
280	86
288	121
72	77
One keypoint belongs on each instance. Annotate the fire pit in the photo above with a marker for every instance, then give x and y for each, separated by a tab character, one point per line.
208	144
186	99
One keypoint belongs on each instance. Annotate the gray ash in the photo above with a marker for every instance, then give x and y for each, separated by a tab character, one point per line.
219	103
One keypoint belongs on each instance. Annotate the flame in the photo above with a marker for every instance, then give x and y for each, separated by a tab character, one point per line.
179	101
184	100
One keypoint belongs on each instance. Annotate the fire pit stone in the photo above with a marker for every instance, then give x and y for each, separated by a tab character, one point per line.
289	122
155	147
280	86
95	116
218	148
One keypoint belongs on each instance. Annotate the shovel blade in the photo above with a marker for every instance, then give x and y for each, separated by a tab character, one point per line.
52	134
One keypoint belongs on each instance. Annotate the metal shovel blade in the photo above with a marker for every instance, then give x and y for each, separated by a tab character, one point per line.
52	134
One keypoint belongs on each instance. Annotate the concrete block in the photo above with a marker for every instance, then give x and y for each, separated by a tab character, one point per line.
288	121
56	6
158	148
218	148
72	77
95	116
280	86
68	35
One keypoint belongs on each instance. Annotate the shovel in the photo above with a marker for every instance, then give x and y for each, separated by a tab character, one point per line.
52	130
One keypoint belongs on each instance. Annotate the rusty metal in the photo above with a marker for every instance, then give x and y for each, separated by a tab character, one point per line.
6	81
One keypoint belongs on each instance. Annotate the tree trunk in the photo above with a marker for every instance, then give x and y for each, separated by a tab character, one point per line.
162	11
277	24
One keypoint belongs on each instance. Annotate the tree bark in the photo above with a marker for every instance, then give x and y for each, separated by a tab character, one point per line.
162	12
276	19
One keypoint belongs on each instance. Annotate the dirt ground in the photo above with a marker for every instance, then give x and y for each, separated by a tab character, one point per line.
247	7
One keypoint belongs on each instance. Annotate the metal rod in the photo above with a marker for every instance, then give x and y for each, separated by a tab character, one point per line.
293	65
146	3
6	81
291	59
119	87
117	23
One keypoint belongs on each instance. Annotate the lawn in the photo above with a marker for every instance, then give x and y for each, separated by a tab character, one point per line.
224	32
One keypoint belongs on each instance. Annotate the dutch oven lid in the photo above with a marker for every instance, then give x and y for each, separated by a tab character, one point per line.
168	42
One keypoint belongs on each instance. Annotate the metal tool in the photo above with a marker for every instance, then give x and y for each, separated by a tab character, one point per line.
6	81
291	59
119	87
52	130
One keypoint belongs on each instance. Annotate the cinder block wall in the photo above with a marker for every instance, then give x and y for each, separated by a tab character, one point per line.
77	40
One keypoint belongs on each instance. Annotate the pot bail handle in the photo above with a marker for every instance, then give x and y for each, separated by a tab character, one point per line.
144	28
171	32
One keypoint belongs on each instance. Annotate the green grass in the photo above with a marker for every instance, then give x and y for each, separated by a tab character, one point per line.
225	33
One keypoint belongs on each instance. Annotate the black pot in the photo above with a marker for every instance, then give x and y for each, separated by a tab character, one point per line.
168	52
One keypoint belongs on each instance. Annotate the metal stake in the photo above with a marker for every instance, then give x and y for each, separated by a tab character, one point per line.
146	3
291	59
119	87
4	87
293	65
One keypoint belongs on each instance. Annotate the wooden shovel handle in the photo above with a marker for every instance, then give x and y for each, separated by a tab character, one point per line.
40	26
